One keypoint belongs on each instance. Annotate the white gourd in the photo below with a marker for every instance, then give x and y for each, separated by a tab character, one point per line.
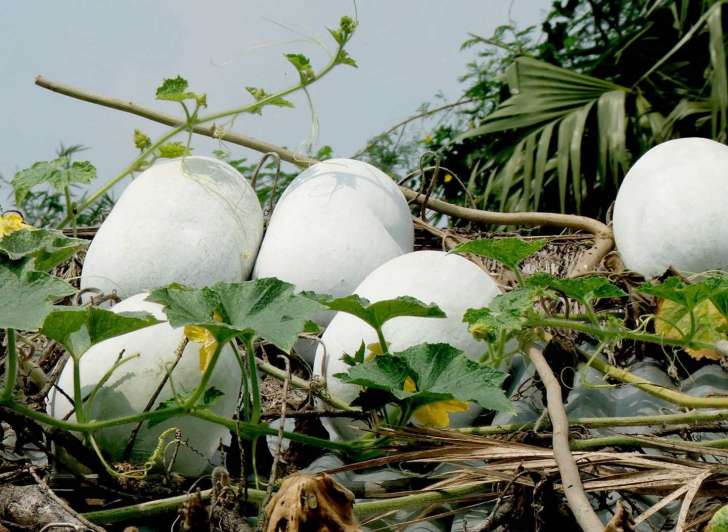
194	220
450	281
670	209
129	388
334	224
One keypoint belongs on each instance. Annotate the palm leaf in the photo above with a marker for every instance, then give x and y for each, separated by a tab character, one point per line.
542	155
613	155
719	77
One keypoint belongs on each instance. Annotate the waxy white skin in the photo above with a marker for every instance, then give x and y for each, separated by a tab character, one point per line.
670	209
334	224
451	281
194	220
133	383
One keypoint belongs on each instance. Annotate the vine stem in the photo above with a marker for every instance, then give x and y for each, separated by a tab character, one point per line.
361	509
11	366
570	478
687	418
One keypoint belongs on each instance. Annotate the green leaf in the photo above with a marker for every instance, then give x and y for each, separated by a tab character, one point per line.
58	173
172	150
27	297
506	314
441	372
358	357
687	294
613	154
343	33
377	314
141	140
444	369
385	372
582	289
303	65
211	395
78	329
184	305
175	90
46	247
508	251
260	95
343	58
267	308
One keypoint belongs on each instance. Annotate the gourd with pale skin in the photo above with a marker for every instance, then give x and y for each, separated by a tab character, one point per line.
132	384
335	223
449	281
193	220
670	209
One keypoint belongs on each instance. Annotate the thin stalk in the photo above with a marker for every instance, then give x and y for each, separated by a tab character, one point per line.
361	509
382	340
254	387
630	441
672	396
604	333
688	418
69	209
264	429
11	366
77	397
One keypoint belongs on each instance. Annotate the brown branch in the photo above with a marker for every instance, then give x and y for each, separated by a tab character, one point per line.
603	244
570	479
212	131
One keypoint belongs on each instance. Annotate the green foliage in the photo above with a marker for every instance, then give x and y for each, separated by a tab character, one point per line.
175	90
265	308
265	98
302	64
46	247
585	290
27	296
377	314
171	150
440	373
79	329
58	173
508	251
506	315
141	140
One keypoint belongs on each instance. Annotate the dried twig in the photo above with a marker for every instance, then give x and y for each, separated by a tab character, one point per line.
570	479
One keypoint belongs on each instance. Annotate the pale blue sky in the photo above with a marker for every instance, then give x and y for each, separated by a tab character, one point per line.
407	50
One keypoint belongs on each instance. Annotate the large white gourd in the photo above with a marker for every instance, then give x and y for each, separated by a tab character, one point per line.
134	382
450	281
670	209
334	224
193	220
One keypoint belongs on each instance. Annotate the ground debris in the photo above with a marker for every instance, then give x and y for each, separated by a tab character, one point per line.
311	502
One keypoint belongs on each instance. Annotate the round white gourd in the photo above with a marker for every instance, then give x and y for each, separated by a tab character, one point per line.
669	210
194	220
326	184
450	281
334	224
132	384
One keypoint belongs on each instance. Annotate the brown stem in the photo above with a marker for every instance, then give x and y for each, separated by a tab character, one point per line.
170	120
603	234
570	479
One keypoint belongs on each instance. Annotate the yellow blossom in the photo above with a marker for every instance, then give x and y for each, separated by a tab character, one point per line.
11	222
435	414
448	178
201	335
375	350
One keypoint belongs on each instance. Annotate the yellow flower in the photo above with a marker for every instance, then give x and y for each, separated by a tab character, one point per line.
374	351
201	335
11	222
436	414
448	178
